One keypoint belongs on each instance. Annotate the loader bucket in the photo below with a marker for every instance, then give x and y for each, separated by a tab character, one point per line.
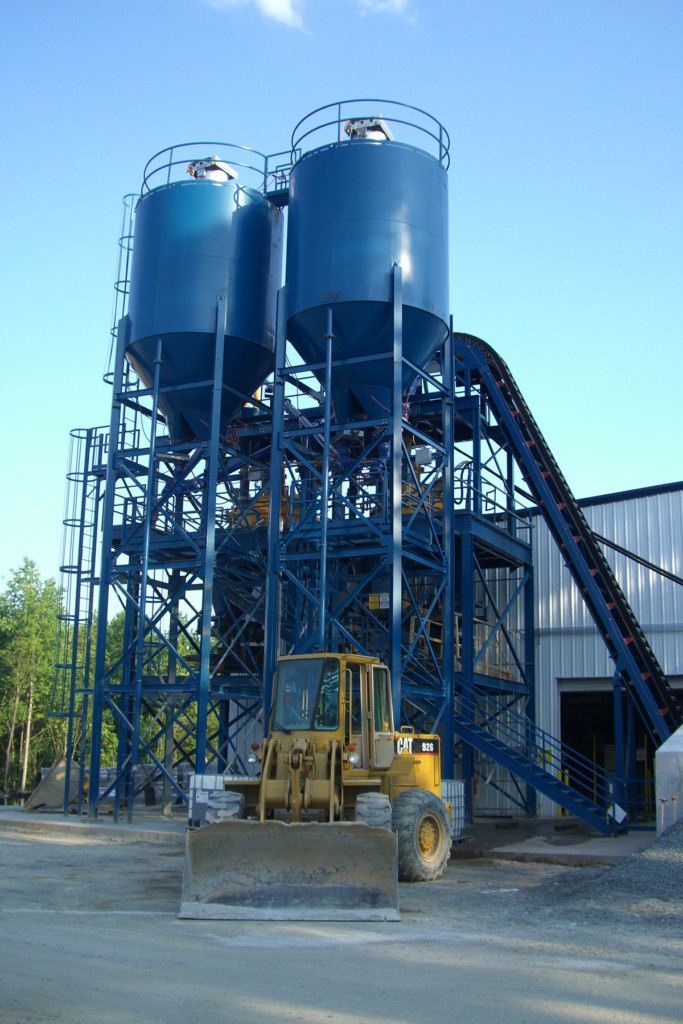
272	871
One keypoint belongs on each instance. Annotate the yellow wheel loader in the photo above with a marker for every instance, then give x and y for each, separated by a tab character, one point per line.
345	806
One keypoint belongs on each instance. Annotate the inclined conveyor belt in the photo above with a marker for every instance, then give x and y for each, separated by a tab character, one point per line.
626	642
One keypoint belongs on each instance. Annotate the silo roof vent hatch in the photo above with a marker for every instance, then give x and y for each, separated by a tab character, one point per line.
211	169
367	128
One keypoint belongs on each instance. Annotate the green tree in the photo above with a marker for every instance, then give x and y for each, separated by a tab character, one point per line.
155	665
29	608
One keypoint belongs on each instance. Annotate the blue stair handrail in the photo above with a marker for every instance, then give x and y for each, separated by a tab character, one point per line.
511	739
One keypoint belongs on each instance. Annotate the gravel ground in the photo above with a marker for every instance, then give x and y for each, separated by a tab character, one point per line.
647	886
88	931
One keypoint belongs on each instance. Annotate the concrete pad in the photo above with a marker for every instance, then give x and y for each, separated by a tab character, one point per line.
580	852
145	829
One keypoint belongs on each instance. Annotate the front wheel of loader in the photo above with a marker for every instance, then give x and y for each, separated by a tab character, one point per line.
373	809
420	821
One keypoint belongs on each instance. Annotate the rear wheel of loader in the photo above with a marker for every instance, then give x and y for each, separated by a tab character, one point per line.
225	806
420	821
373	809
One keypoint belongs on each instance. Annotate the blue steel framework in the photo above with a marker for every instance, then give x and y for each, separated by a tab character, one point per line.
178	526
295	533
399	525
363	561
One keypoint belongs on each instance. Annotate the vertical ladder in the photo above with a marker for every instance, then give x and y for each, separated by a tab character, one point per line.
72	687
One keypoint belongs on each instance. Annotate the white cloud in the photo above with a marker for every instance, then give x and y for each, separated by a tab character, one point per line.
384	6
290	12
286	11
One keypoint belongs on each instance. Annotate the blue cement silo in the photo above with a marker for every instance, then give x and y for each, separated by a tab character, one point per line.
204	236
358	205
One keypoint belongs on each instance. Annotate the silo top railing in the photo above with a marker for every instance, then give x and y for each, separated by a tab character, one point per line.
415	126
262	172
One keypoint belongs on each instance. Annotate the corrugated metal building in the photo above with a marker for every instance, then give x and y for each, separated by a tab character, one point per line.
573	670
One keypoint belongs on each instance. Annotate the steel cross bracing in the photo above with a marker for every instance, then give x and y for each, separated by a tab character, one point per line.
394	532
625	640
290	531
494	573
361	559
183	562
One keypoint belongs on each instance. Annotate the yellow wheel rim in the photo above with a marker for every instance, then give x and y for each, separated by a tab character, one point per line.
429	837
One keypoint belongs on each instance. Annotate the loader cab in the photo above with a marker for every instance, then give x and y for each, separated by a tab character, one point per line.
307	694
370	713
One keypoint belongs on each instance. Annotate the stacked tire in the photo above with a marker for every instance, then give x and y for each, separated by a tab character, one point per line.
224	805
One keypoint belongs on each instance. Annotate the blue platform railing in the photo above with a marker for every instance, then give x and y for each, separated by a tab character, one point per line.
261	171
415	126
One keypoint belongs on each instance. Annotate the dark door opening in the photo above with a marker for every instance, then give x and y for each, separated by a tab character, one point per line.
587	726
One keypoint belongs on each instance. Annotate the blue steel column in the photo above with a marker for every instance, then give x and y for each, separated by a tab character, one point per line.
396	538
271	639
630	756
325	490
530	672
476	495
467	654
169	704
142	606
126	700
620	742
105	569
448	623
211	481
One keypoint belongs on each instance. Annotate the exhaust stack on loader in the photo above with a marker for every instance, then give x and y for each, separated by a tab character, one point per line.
331	754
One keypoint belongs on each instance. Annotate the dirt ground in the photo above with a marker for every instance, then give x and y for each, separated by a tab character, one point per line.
88	932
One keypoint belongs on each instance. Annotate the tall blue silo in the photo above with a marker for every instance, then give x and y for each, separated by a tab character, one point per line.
204	236
358	205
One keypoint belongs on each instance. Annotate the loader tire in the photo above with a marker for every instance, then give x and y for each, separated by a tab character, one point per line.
224	806
420	821
373	809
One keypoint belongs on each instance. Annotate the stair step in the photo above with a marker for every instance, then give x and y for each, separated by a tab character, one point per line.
573	800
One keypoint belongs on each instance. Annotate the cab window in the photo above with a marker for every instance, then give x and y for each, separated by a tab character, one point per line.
307	694
381	700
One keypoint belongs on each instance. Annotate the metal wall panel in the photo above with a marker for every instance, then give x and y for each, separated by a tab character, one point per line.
568	646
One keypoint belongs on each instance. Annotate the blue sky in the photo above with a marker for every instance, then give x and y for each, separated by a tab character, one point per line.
565	197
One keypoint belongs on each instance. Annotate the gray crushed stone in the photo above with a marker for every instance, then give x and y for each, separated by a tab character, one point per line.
646	885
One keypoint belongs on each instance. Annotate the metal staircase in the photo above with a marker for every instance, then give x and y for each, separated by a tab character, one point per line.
529	753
